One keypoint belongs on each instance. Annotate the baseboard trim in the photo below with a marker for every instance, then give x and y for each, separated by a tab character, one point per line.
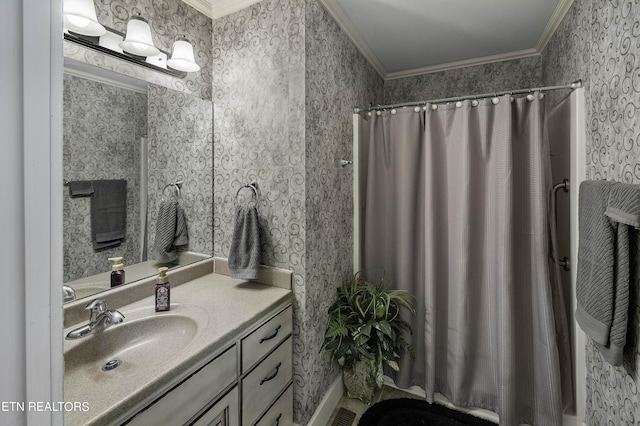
328	404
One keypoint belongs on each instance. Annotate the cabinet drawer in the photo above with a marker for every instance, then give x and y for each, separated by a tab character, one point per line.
184	401
262	385
268	336
280	413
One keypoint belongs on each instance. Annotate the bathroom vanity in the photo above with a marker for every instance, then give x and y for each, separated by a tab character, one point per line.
221	356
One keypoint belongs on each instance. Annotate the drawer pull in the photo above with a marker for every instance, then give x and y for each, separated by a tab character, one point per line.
277	423
275	333
275	373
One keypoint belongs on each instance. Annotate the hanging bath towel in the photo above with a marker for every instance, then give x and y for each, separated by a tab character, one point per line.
171	232
108	212
244	254
607	209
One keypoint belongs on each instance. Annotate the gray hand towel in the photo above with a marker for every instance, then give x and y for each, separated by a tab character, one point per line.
603	267
624	204
80	188
244	254
181	237
108	212
171	232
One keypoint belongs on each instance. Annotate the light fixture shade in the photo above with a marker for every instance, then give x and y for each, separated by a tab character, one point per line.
182	56
138	40
80	17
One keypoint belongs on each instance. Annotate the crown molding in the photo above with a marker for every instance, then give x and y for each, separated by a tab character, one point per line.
202	6
334	8
554	22
227	7
509	56
338	13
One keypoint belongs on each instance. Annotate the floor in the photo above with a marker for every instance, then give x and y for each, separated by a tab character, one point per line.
359	407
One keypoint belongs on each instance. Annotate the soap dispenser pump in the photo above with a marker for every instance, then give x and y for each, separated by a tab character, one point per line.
163	291
117	271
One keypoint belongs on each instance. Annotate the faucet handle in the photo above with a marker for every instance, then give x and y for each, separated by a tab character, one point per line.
96	306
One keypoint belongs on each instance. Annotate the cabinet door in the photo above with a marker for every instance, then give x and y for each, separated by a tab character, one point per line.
223	413
180	404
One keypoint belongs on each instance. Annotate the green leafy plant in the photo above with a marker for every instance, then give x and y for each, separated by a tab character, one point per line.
365	325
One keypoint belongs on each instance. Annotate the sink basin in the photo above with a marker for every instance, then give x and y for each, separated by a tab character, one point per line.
144	341
141	348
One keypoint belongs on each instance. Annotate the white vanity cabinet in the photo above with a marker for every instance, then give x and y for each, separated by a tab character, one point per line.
248	383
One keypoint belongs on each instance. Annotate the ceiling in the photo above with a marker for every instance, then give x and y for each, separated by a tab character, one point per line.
401	38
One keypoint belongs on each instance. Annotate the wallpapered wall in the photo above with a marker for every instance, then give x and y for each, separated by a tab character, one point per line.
259	131
181	148
168	19
285	81
495	77
102	125
599	41
337	79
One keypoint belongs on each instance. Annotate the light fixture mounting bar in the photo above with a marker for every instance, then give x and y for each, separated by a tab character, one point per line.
93	43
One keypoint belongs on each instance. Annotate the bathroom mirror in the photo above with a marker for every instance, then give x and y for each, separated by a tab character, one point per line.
158	140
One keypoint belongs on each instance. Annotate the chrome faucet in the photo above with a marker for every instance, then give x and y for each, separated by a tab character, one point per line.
100	319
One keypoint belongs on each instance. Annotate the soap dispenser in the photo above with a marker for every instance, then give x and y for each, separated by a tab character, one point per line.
117	271
163	291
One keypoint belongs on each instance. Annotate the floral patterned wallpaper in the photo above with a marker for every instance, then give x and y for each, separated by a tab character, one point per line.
168	19
285	82
102	126
599	41
181	148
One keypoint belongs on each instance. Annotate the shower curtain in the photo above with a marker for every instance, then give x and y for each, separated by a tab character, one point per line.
456	213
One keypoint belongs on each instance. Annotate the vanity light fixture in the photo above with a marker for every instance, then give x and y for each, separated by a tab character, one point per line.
182	56
80	17
136	46
138	39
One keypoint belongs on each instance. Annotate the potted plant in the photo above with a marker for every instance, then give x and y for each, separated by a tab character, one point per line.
365	332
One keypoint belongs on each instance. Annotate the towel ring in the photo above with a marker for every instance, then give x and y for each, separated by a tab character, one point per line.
251	185
177	186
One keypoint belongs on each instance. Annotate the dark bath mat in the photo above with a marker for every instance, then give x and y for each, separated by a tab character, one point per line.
415	412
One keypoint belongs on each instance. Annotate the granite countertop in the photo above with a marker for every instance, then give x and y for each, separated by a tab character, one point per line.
226	309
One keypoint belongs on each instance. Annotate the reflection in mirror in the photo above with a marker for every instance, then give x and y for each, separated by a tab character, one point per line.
125	143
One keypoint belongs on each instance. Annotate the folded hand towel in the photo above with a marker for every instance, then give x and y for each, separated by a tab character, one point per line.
603	266
80	188
244	254
171	231
108	212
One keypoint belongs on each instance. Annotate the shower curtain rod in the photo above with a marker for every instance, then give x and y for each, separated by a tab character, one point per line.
575	85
